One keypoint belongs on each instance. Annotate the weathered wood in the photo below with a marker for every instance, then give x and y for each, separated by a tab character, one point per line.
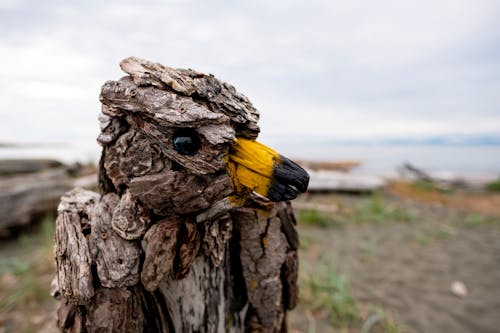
218	95
196	302
116	310
27	197
288	224
290	271
171	244
68	317
343	166
447	180
191	194
263	252
417	172
111	128
331	181
290	278
189	244
73	258
17	166
130	218
217	234
160	249
115	269
24	197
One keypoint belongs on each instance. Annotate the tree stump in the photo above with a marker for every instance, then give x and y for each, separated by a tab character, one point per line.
182	237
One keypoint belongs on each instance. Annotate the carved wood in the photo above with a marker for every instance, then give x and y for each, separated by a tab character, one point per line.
162	248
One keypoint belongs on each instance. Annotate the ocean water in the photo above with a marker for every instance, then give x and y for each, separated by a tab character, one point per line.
379	159
67	153
385	158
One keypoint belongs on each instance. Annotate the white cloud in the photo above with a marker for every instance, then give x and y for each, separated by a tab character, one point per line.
10	4
314	68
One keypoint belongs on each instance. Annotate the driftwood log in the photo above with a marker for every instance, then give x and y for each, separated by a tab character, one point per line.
332	181
340	166
24	197
20	166
175	242
30	189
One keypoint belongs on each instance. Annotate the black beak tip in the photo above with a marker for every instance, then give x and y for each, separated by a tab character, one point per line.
289	179
281	192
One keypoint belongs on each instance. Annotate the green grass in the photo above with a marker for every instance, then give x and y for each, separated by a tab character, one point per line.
375	210
326	290
424	185
380	321
475	220
316	218
494	186
368	248
441	232
27	269
305	241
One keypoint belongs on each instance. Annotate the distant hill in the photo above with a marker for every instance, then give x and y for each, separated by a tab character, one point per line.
449	140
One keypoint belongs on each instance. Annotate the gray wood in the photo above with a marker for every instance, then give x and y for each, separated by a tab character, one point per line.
18	166
25	197
73	258
419	173
115	269
334	181
160	250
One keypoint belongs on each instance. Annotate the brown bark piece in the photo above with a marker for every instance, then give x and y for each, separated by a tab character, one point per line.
140	156
189	243
117	260
133	155
263	252
189	193
68	318
290	269
130	218
288	224
72	252
160	249
111	128
115	311
217	233
219	95
290	280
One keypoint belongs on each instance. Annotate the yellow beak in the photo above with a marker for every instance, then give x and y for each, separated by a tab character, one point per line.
258	168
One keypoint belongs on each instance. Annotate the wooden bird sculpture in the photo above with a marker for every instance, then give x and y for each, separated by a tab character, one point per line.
192	230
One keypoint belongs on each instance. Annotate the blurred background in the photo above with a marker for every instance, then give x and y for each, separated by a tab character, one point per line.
393	106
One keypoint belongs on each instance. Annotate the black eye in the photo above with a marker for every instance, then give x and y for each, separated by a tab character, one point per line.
186	141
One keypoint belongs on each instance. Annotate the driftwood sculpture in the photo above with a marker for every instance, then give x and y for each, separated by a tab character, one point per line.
192	230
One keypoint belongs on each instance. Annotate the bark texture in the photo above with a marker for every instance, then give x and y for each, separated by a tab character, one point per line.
159	249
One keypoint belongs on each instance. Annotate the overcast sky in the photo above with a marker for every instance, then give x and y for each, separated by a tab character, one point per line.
314	69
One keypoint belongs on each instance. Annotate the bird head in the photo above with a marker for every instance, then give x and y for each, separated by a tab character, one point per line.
180	141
